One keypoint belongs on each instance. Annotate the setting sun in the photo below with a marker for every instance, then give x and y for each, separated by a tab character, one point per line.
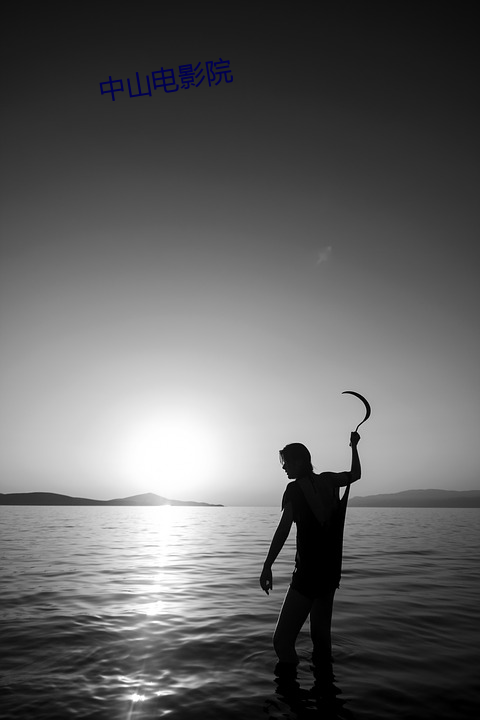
170	453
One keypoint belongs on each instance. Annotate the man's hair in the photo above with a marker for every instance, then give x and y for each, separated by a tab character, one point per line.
298	453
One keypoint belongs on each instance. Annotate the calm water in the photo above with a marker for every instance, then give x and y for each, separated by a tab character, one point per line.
136	613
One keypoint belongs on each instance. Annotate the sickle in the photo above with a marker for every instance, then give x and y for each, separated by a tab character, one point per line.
365	402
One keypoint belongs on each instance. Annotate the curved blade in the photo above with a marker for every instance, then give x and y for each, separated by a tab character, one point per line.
365	402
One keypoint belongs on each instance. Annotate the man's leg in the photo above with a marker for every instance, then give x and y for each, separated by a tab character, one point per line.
292	617
320	628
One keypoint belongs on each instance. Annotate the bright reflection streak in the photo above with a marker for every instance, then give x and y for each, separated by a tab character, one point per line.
158	533
154	609
161	542
137	698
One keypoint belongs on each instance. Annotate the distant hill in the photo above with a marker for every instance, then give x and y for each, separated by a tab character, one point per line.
46	498
421	498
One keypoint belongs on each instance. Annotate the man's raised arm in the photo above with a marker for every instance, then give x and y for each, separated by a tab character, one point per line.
356	470
347	478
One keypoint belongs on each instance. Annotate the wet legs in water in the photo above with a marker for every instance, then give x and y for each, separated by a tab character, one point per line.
294	612
320	629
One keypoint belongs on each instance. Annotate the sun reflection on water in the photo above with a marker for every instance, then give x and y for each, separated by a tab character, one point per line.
137	698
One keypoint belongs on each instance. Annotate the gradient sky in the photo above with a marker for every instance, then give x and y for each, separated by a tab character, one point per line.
190	280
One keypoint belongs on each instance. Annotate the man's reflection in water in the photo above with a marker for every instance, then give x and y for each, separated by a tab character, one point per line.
321	701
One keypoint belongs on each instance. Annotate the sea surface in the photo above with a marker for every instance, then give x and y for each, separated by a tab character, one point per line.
122	613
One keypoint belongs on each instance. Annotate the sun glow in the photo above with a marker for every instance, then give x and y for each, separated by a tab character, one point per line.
171	453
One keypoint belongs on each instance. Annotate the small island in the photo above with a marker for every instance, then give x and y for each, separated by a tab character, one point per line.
421	498
47	498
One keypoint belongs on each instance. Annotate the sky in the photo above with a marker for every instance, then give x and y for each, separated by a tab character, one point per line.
189	280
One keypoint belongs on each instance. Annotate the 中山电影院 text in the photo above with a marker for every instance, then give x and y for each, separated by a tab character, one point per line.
188	76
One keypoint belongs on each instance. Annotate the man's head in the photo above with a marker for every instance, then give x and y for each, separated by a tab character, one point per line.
296	460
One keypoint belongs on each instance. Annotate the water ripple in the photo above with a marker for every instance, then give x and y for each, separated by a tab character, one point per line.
139	613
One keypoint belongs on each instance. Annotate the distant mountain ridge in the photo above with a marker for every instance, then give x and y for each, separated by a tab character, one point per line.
421	498
46	498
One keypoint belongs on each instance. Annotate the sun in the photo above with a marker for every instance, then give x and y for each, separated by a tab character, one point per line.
170	453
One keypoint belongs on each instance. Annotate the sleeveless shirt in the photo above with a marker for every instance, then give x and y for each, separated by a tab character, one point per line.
318	559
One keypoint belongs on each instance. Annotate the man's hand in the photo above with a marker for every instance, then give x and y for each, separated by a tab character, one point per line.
354	439
266	579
